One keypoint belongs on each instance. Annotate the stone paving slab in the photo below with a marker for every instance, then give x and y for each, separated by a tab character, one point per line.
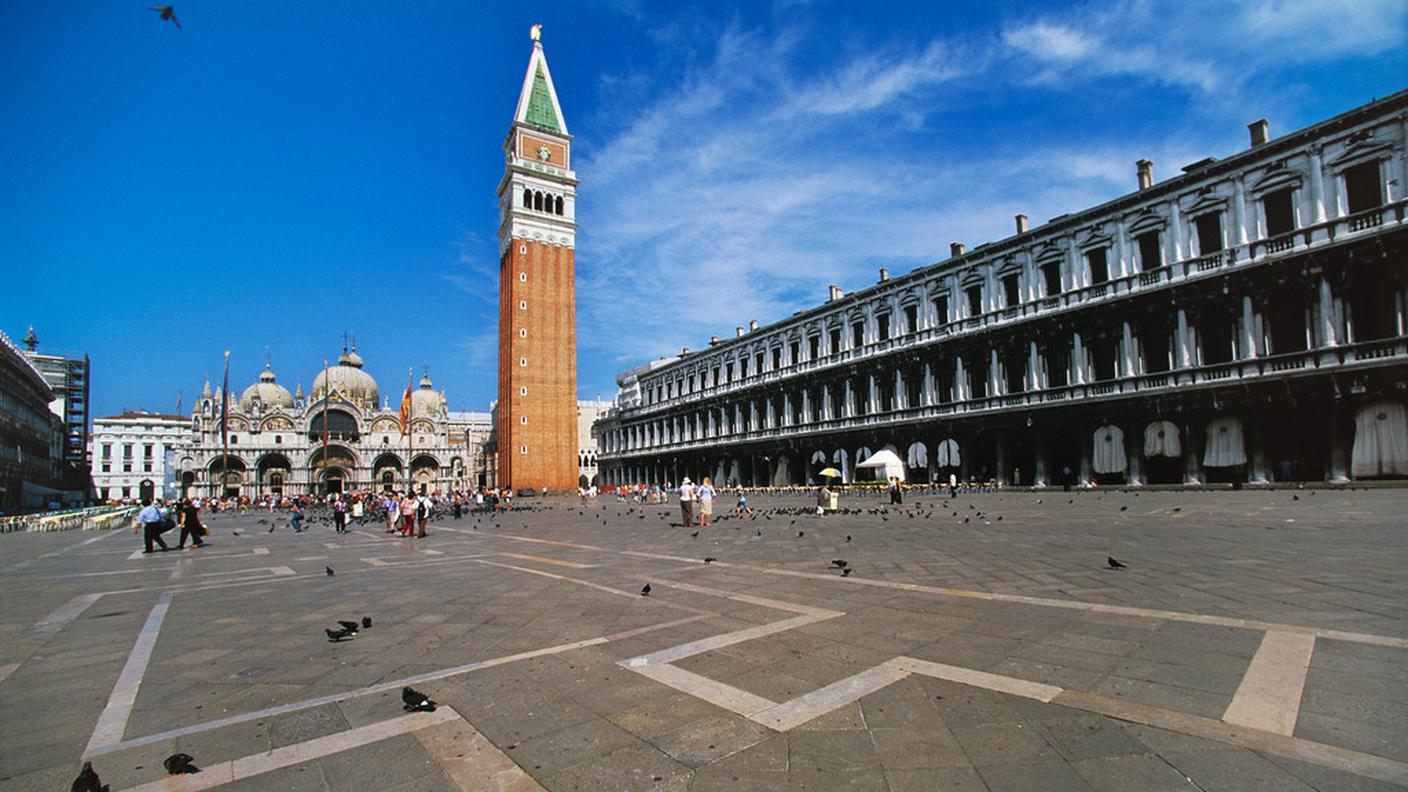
523	625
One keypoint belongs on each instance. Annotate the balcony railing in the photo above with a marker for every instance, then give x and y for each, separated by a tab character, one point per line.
1165	276
1248	369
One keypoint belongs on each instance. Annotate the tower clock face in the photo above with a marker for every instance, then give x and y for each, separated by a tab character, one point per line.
544	154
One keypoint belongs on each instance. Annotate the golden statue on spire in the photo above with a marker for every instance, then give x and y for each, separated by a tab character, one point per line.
535	32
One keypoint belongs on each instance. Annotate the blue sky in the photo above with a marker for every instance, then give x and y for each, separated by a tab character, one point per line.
274	175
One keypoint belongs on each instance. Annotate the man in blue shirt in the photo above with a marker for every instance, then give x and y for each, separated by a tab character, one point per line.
149	518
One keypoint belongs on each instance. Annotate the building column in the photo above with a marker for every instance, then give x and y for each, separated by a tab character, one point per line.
807	416
960	382
825	402
1127	351
872	403
1329	336
1134	452
848	407
1192	467
1034	368
1039	475
926	394
1249	343
1182	347
901	400
1317	186
1338	469
994	374
1077	360
1000	452
1259	472
1175	231
1083	467
1239	214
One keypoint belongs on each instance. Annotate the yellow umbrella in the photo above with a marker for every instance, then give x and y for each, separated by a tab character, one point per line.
831	473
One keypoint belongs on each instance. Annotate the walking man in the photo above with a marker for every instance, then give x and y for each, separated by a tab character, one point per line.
149	519
190	525
339	514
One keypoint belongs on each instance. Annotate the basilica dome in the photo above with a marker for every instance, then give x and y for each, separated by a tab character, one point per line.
266	391
425	401
348	380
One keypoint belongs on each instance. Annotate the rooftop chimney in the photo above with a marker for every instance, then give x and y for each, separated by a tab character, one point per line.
739	331
1021	224
1146	173
1260	132
713	340
684	351
955	249
752	325
884	274
833	293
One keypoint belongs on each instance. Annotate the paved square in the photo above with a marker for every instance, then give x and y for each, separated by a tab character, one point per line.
1258	640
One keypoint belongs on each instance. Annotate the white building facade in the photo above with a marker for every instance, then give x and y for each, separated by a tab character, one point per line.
132	455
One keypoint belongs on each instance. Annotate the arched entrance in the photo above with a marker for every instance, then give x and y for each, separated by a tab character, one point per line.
334	471
387	472
146	490
425	472
232	469
274	471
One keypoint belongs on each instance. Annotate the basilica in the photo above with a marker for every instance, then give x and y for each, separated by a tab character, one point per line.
343	435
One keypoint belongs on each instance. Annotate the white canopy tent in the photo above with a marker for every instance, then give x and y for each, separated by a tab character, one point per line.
1380	441
946	453
1109	456
1161	440
887	464
1225	446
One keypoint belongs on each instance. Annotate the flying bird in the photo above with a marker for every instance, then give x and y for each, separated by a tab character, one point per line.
328	570
415	701
180	764
1114	563
88	781
167	12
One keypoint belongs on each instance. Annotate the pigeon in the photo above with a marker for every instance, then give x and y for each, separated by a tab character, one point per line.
847	571
694	535
800	534
1114	563
1124	508
271	529
349	626
337	635
1295	497
236	533
180	764
710	559
840	563
88	781
415	701
848	537
645	590
366	622
167	12
328	570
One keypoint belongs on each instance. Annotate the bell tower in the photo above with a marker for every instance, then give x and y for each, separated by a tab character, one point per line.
537	406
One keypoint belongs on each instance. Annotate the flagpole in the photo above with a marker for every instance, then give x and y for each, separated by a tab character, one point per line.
410	378
325	423
224	429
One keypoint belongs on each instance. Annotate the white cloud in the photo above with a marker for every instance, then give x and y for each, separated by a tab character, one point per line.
1050	41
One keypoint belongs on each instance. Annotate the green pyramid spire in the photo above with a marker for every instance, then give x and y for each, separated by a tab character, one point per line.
540	109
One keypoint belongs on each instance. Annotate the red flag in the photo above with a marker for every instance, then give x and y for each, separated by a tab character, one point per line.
406	407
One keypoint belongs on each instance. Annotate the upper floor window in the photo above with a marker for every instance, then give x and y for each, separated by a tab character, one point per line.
1011	291
792	352
975	300
911	318
758	361
941	309
1099	265
776	358
107	450
857	335
1151	254
1280	214
882	326
1363	187
835	340
1209	230
1051	277
814	347
728	372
